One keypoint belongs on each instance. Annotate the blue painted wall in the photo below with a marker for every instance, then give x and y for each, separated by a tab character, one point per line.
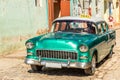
20	18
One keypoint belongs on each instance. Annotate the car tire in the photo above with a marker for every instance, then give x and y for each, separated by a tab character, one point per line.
91	70
36	68
110	54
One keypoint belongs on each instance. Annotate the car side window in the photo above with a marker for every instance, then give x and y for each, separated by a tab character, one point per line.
100	30
91	28
94	28
104	25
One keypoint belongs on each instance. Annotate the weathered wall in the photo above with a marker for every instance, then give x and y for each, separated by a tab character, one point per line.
19	18
114	10
100	8
77	7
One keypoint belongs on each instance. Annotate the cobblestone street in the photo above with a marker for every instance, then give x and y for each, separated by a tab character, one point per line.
13	68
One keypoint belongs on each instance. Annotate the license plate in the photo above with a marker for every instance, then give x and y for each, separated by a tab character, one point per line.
53	65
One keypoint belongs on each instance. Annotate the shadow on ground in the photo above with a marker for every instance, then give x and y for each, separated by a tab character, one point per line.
60	72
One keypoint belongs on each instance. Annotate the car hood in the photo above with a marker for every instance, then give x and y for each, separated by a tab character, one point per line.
63	40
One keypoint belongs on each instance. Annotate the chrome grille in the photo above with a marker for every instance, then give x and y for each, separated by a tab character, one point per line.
56	54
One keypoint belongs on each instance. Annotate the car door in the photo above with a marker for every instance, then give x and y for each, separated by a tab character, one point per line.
102	38
107	33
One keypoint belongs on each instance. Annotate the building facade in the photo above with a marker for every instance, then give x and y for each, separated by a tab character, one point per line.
100	8
112	8
87	7
19	18
57	8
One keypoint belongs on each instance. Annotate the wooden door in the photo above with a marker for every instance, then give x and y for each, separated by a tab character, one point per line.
57	8
65	7
50	12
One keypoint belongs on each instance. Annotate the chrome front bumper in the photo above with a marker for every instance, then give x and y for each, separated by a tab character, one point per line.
68	65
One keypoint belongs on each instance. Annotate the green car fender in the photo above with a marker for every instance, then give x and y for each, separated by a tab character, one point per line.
93	52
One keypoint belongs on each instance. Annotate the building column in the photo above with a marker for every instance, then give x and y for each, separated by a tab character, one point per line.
119	10
110	8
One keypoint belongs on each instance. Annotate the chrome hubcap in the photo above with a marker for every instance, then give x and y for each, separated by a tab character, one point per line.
93	65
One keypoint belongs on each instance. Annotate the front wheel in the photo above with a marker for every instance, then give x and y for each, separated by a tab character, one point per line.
91	70
36	68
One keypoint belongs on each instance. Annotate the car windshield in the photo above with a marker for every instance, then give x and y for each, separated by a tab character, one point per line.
74	26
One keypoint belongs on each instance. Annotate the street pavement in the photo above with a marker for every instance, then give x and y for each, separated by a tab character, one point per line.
12	67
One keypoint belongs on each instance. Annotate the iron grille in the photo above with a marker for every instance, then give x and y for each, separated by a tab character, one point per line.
57	54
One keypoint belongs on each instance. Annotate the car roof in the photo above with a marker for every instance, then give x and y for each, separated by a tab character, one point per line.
92	19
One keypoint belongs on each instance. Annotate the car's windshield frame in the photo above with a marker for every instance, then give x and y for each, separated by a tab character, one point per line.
76	26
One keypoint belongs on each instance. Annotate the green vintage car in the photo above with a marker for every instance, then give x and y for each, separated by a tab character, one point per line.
73	42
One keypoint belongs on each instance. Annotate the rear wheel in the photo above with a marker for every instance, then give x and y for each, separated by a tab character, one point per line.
36	68
91	70
110	54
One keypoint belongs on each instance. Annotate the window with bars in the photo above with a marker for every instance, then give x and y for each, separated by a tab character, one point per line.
96	3
38	3
105	6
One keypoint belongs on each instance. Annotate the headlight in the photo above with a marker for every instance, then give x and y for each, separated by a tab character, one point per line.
83	48
29	45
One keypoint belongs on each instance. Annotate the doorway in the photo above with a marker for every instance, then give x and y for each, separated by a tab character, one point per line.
58	8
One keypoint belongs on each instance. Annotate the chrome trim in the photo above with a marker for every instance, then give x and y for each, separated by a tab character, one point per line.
31	62
63	64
